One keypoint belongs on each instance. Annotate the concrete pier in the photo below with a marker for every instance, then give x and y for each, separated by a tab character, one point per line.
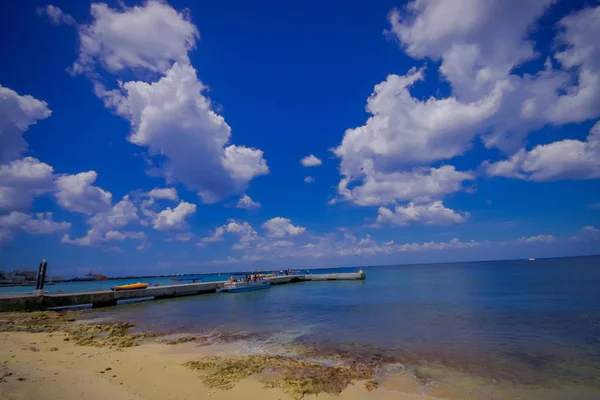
108	298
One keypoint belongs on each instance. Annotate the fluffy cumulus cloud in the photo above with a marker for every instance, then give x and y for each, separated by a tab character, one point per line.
246	202
280	235
104	226
578	33
173	119
170	116
164	194
311	161
149	36
168	219
55	15
420	184
405	131
40	224
22	180
478	45
279	227
432	214
174	218
242	230
17	114
76	193
565	159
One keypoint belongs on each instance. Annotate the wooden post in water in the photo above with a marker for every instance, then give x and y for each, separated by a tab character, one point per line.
39	286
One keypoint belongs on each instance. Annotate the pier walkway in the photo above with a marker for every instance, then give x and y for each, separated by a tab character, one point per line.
105	298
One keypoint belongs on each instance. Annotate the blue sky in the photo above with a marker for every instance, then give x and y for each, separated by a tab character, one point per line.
440	131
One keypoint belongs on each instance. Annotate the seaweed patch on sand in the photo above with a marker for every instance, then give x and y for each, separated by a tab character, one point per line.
296	377
109	334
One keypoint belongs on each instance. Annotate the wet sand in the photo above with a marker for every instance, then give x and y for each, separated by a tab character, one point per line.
45	366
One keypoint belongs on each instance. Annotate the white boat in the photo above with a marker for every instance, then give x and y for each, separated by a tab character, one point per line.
532	259
243	286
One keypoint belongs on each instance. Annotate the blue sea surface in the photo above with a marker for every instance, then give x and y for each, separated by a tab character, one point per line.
529	322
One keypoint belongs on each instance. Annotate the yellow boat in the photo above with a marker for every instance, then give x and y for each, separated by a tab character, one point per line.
132	286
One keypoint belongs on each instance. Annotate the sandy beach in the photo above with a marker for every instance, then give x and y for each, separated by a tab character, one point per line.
51	365
51	355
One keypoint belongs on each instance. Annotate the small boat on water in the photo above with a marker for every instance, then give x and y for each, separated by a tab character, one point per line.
532	259
131	286
245	286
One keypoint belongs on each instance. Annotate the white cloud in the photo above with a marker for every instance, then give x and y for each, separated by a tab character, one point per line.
579	32
478	45
351	246
267	246
103	225
173	119
76	193
163	193
431	214
120	236
170	116
246	202
243	230
17	114
40	224
150	37
174	219
217	235
538	239
55	15
118	216
565	159
309	179
421	184
279	227
311	161
587	233
183	237
143	247
403	131
22	180
477	42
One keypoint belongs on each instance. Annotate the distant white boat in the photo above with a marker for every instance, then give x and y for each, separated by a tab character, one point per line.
532	259
243	286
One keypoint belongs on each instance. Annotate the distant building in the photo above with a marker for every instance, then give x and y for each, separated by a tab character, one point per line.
25	274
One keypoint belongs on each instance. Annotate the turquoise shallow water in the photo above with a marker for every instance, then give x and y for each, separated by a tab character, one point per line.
526	323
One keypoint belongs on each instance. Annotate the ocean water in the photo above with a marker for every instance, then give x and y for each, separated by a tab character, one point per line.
526	329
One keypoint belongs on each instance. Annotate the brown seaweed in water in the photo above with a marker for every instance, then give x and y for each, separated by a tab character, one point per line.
297	378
